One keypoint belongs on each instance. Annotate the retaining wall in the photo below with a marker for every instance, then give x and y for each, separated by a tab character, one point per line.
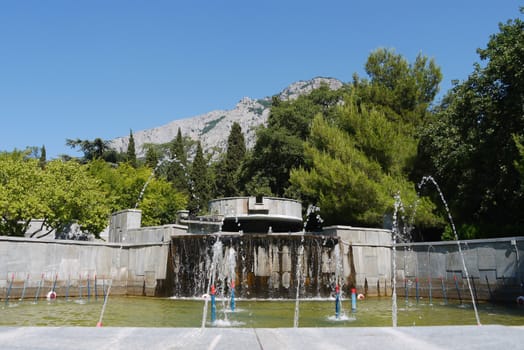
491	267
144	264
71	266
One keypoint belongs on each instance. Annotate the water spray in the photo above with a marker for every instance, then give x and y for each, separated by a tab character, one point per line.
68	283
232	304
337	301
431	179
457	288
54	283
106	297
417	295
96	292
430	291
489	288
80	287
444	294
88	288
39	287
9	289
300	256
26	281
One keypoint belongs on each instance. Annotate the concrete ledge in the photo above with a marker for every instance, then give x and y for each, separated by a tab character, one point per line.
402	338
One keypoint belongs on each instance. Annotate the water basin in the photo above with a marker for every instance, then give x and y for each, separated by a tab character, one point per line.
250	313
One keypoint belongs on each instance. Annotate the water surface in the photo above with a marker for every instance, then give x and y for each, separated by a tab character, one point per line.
165	312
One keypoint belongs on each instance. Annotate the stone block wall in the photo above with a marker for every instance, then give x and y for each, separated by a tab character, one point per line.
72	266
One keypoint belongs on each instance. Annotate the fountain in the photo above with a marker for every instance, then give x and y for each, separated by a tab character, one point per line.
404	234
426	179
297	272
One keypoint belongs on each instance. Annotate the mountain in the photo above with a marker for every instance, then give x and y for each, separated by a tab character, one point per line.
212	128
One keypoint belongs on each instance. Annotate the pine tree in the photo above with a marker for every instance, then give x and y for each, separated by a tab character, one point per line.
42	162
176	172
151	157
131	153
199	182
228	169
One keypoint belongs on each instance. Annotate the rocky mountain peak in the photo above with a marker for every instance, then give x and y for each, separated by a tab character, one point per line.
212	128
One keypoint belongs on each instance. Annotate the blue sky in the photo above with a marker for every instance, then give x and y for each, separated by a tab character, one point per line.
98	68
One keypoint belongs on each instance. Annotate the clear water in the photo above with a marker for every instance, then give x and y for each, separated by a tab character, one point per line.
158	312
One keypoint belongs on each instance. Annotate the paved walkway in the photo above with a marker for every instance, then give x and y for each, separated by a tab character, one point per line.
402	338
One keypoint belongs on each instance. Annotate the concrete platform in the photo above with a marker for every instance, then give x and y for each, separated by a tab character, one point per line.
402	338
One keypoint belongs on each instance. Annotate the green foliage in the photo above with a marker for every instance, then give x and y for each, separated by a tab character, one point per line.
403	91
43	157
200	181
96	149
152	157
123	184
379	138
464	231
210	125
346	178
229	167
60	194
20	193
72	195
279	146
131	152
177	169
264	104
519	162
470	146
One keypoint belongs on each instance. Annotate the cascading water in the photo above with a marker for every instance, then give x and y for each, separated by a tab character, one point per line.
215	263
231	264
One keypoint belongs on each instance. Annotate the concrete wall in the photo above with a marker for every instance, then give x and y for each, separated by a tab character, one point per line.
131	268
370	251
242	206
494	268
137	261
122	221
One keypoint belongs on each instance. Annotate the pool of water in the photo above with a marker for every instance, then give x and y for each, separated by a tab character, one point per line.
165	312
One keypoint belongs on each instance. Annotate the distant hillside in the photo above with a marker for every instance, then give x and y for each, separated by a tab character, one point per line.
212	128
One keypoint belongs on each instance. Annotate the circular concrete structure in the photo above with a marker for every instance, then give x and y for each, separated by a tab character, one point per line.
258	214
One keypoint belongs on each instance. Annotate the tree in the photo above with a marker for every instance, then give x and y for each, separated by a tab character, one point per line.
279	146
131	153
200	184
128	187
71	194
403	91
60	194
470	145
96	149
42	161
152	157
20	193
519	163
354	168
177	167
227	177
